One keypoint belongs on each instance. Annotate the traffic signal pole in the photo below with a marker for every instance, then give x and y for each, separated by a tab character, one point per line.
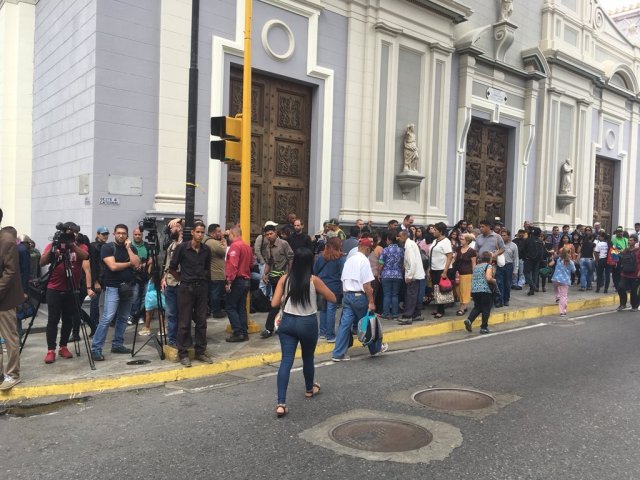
245	168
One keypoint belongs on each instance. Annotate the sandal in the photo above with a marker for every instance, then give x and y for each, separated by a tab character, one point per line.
315	390
460	313
281	410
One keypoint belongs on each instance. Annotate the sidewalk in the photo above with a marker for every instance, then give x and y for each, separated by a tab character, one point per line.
69	378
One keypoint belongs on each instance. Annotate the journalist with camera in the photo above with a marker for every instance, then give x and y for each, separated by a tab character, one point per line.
120	259
63	252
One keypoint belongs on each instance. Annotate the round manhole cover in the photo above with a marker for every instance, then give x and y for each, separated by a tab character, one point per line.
378	435
454	399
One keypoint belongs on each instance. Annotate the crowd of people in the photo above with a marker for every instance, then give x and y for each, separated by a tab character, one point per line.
394	270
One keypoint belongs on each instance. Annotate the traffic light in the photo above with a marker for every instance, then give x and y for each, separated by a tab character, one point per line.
229	148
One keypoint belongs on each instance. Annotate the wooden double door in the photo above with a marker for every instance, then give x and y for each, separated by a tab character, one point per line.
603	193
485	172
280	150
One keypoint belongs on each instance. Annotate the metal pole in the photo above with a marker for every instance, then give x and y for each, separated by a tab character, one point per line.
190	192
245	168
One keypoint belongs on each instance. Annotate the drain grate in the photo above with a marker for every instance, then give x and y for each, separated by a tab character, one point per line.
380	435
454	399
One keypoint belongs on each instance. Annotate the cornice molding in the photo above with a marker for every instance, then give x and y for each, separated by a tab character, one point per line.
455	11
15	2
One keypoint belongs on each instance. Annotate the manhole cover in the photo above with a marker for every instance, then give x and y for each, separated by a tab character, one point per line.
454	399
375	435
138	362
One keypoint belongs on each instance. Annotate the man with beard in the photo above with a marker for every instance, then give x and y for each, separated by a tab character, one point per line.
169	284
218	246
120	258
278	256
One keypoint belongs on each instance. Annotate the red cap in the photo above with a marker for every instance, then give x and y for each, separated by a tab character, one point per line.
367	242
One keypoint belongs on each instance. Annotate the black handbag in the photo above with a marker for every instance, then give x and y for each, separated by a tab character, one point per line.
125	291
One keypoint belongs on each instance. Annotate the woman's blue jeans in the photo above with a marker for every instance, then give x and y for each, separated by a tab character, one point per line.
294	329
586	272
390	294
328	320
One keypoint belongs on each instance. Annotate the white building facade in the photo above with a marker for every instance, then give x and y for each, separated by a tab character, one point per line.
520	111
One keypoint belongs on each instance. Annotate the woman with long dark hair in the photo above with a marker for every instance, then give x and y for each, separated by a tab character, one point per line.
328	268
296	293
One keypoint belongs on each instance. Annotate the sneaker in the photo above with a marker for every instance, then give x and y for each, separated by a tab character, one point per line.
204	358
621	308
343	358
484	331
64	352
383	348
266	333
140	321
563	315
467	325
120	349
322	336
405	321
144	332
582	289
331	340
97	356
50	357
419	318
9	382
185	362
129	321
74	338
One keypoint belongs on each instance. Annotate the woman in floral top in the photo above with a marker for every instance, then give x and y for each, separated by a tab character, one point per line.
562	279
391	277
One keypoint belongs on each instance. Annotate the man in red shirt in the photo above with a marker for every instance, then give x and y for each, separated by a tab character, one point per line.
60	295
238	277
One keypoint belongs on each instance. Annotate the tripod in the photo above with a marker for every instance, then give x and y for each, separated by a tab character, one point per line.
153	248
41	289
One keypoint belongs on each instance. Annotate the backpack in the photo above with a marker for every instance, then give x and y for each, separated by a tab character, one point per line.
369	329
628	261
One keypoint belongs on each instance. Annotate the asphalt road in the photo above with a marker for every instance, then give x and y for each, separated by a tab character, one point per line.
568	409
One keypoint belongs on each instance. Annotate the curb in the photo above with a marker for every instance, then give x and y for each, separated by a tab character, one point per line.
150	379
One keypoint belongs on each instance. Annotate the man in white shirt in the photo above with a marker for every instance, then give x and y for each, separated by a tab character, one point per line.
413	273
357	298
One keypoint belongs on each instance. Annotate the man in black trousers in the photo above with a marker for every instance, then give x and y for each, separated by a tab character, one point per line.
194	261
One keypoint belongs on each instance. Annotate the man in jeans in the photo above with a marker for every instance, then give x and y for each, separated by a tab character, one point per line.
169	285
218	246
96	266
120	259
278	256
238	274
357	298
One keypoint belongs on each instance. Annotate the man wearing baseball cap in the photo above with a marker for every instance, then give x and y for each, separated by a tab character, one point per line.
357	298
620	242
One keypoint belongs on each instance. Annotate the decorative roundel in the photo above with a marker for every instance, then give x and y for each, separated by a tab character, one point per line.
598	19
610	139
277	27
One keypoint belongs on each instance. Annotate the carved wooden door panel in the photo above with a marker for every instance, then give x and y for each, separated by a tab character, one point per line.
603	193
485	172
280	151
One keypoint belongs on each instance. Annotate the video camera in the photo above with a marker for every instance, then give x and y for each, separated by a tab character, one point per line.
150	225
61	238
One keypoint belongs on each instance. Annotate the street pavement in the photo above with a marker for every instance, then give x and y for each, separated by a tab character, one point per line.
68	378
567	410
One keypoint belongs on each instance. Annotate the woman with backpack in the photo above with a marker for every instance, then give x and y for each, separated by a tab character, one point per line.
561	279
483	284
296	295
629	274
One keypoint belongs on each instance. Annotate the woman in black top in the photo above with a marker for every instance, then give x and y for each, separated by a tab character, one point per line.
587	263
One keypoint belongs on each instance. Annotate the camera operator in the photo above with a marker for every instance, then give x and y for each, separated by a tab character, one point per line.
60	295
141	277
120	259
169	283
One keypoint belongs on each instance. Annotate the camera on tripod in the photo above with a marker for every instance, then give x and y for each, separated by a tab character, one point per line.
61	238
149	225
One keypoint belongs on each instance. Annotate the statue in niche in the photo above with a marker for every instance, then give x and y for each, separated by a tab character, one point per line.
506	9
410	150
566	172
